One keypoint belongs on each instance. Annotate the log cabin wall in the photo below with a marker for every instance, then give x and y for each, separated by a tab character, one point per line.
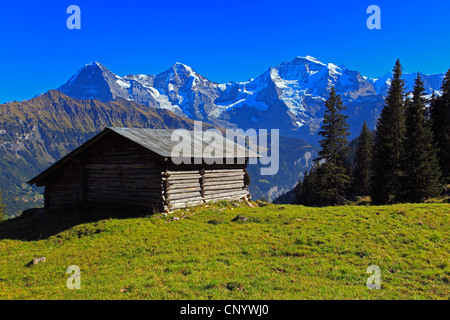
63	189
134	167
121	172
224	184
192	185
182	187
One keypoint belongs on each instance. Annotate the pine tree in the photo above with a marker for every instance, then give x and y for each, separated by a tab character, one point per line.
299	193
440	124
331	175
311	188
421	166
307	196
2	208
362	174
428	110
301	196
388	148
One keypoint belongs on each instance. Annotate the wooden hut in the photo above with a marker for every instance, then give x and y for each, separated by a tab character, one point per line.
136	167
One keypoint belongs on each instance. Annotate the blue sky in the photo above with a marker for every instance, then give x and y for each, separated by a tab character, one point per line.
222	40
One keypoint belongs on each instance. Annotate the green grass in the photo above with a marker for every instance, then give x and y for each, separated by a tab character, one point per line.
279	252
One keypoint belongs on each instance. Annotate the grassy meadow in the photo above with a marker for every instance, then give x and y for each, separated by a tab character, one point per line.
278	252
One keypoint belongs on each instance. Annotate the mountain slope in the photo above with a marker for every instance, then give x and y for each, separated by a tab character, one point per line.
295	156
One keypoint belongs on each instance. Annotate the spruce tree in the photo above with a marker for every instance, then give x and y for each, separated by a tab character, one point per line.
389	139
299	190
301	195
440	123
331	175
307	195
421	166
362	174
428	110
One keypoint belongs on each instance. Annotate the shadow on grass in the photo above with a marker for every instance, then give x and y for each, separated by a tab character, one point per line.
39	224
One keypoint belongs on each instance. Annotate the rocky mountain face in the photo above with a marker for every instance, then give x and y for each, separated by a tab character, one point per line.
289	97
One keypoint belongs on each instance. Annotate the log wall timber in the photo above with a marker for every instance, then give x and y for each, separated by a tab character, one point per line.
183	186
116	171
124	173
222	183
200	184
64	188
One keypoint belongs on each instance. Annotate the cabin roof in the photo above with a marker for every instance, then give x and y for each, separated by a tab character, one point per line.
163	141
159	141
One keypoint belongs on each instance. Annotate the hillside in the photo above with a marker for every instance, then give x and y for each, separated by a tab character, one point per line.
295	156
279	252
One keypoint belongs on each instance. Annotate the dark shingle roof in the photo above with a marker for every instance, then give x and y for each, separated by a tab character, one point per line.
162	142
159	141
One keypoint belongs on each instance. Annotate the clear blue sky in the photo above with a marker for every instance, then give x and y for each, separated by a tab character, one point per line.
222	40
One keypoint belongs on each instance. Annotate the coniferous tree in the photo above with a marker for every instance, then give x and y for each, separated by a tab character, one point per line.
302	195
421	166
428	110
362	174
440	124
299	190
389	139
308	195
331	178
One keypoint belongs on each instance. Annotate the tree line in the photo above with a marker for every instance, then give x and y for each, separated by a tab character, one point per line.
407	158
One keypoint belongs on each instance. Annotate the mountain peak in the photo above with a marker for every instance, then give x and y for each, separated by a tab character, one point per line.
90	68
179	67
95	65
308	58
93	81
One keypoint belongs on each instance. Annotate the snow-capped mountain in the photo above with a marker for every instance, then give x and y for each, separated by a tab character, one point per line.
290	97
178	89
